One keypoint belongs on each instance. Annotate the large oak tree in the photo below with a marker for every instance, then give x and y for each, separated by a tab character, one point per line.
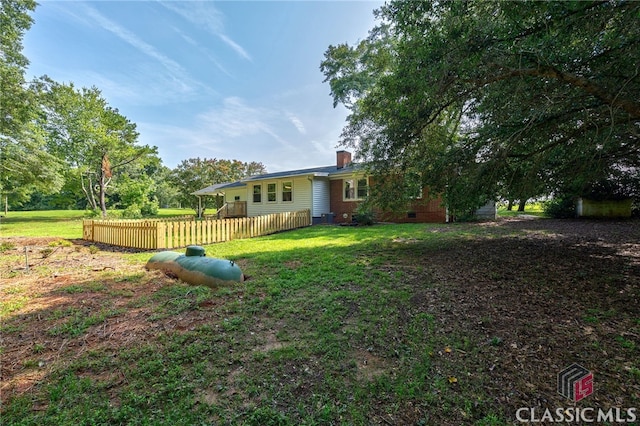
94	140
488	97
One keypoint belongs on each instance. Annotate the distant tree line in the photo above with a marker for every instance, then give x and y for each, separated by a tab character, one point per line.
63	147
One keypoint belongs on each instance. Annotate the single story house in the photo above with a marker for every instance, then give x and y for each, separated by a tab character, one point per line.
332	194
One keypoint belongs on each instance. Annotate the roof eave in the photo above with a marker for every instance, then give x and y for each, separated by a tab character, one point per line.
293	175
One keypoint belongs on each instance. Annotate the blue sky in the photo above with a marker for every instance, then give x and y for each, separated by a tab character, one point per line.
231	79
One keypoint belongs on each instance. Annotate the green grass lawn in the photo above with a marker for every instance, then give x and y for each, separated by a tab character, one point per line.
532	209
389	324
56	223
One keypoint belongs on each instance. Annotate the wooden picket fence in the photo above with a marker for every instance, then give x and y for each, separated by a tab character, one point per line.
171	233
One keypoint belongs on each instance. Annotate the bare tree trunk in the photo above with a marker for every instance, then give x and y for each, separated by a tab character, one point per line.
105	178
521	205
510	205
103	204
88	191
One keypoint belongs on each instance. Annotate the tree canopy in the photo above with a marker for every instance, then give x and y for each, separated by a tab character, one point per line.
24	164
94	140
66	147
489	97
197	173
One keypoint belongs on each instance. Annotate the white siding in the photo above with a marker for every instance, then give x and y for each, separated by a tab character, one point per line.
321	197
301	196
230	194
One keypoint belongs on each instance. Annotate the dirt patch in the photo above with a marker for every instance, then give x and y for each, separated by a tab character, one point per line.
50	309
369	366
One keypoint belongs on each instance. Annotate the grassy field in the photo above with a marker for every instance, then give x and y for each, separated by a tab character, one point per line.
531	209
390	324
56	223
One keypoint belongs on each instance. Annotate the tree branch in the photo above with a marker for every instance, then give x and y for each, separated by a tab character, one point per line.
131	160
630	107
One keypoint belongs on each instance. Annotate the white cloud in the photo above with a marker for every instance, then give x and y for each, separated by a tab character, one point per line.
297	123
203	50
235	118
235	46
246	131
132	39
184	36
153	78
205	15
143	82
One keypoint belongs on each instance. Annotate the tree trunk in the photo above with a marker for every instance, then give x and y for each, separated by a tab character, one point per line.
521	205
88	191
105	177
103	204
510	205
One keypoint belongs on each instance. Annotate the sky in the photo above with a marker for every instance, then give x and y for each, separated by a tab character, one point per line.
211	79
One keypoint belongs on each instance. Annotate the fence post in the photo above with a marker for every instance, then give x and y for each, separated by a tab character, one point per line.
87	229
161	240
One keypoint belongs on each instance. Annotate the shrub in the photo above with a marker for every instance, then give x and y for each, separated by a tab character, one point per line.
364	216
132	212
561	207
149	208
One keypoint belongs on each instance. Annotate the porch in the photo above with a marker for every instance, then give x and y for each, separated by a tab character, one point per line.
232	209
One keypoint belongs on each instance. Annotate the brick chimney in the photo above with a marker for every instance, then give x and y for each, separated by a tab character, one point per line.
343	159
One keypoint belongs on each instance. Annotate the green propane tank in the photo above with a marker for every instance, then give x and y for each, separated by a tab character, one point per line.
195	268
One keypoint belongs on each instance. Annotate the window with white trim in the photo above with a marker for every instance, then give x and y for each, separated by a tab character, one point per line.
355	189
287	191
271	192
257	193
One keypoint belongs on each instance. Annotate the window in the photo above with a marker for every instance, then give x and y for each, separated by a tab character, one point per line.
349	189
287	191
355	189
363	191
257	193
271	192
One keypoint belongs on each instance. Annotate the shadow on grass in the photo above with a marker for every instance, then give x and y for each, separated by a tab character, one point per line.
456	324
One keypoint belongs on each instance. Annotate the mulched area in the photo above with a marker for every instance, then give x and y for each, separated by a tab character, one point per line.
545	295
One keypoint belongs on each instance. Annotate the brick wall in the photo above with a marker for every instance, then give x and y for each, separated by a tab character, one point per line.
422	210
337	205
